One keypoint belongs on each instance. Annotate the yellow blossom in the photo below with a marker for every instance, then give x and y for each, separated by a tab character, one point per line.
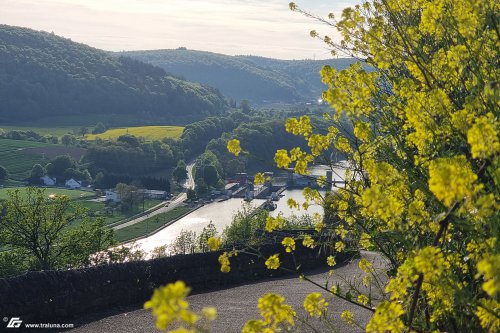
319	226
487	312
363	299
339	246
348	317
315	305
292	203
365	265
214	243
273	262
233	146
289	244
386	319
210	313
483	137
225	263
169	305
282	159
253	326
308	241
275	311
489	267
330	261
274	223
451	179
259	178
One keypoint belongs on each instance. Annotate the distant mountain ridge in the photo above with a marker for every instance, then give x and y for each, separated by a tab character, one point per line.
43	75
258	79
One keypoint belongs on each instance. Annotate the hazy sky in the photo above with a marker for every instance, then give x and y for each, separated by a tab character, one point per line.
258	27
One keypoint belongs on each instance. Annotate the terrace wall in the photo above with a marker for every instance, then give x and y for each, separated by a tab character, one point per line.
49	295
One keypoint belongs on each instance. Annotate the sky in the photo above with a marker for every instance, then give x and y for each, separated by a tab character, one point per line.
257	27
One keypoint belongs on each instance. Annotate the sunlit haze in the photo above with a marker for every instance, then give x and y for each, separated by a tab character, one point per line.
258	27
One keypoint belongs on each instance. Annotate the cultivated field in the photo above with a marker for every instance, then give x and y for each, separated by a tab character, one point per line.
19	156
146	132
17	161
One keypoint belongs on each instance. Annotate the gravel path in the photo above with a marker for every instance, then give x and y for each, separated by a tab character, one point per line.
239	304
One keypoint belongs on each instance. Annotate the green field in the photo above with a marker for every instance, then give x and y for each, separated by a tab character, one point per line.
99	209
73	194
19	156
144	227
56	131
146	132
17	161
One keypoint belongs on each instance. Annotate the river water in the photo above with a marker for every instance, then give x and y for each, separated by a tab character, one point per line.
221	214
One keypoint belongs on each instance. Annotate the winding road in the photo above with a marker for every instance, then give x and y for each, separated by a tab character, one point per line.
177	201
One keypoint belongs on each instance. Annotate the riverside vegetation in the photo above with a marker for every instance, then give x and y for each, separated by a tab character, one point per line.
423	179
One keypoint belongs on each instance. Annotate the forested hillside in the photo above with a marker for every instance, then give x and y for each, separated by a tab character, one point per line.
258	79
45	75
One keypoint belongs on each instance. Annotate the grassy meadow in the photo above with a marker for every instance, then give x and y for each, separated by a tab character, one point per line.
144	227
146	132
72	194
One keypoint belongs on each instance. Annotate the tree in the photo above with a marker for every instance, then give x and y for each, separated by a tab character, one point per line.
185	243
36	228
130	196
99	128
67	139
202	241
422	174
58	166
83	131
37	172
210	175
129	139
191	194
245	106
180	172
3	173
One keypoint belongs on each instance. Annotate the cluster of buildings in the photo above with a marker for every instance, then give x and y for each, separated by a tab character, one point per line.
114	196
70	183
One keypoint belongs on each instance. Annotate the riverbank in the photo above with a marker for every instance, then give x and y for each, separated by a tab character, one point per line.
151	225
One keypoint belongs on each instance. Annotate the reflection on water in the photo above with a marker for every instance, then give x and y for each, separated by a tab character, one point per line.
221	214
296	194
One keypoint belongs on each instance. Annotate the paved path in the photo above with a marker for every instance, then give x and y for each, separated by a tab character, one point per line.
237	305
179	200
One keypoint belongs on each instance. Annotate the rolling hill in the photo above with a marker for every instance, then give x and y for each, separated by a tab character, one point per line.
43	75
258	79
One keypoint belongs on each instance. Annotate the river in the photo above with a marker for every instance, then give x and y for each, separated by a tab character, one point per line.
221	214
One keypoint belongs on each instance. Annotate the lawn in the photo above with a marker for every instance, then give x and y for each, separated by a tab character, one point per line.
73	194
98	208
144	227
147	132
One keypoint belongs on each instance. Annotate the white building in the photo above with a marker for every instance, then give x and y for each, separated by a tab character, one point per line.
112	196
72	183
155	194
48	181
